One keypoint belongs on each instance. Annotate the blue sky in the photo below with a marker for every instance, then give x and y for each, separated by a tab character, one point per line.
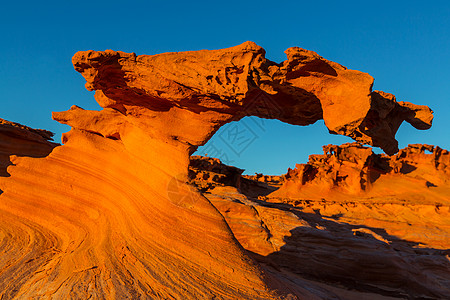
405	45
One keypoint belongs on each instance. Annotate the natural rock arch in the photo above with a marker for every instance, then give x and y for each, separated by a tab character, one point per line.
95	217
187	96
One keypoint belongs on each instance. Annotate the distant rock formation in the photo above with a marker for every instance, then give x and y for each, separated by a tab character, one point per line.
205	172
111	214
353	168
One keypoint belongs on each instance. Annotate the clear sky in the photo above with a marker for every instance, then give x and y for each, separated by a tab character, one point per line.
405	45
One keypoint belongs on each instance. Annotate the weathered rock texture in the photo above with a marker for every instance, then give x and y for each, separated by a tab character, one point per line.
352	169
19	140
109	214
392	243
211	88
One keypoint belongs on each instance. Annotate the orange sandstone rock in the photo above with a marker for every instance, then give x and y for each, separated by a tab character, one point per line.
374	245
20	140
96	219
110	214
211	88
355	169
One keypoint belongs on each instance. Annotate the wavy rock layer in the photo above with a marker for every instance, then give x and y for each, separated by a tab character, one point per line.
96	226
109	213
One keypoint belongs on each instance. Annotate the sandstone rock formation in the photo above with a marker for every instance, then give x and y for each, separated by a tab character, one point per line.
206	172
19	140
392	243
211	88
110	214
353	169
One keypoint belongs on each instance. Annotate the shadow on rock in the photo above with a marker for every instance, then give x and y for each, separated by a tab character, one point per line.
19	140
359	258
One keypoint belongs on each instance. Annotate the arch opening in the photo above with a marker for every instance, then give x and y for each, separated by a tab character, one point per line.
267	146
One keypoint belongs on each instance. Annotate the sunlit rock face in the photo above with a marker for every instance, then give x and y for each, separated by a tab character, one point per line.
353	169
203	90
109	214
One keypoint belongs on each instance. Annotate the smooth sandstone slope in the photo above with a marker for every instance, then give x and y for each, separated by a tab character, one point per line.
94	220
109	213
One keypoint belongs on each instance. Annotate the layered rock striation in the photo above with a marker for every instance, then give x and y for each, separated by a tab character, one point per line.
110	214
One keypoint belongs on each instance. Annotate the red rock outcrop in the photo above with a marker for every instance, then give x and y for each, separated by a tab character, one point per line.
354	169
206	172
211	88
110	214
93	219
20	140
392	243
